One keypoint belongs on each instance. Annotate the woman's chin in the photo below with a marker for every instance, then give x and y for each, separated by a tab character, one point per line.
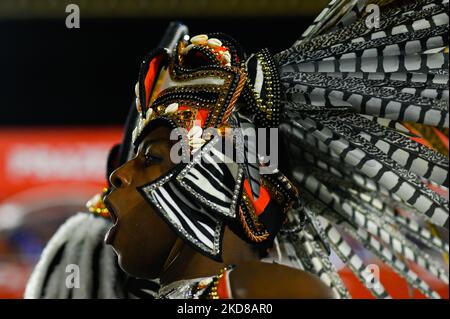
136	270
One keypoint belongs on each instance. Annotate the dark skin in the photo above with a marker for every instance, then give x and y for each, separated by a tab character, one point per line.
148	248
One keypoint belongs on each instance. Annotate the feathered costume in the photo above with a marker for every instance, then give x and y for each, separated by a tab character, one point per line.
350	94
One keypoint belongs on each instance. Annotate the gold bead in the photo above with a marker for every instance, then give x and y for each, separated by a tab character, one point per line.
160	109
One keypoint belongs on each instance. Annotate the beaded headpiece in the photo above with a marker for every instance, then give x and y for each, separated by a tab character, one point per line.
208	84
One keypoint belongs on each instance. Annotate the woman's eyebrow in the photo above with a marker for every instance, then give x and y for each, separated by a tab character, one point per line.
151	141
155	140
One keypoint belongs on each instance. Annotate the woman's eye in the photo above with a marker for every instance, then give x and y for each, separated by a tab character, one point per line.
150	159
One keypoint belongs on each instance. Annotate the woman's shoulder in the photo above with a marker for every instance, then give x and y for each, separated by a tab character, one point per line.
269	280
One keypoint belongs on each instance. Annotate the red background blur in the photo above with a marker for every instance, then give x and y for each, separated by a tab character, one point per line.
46	176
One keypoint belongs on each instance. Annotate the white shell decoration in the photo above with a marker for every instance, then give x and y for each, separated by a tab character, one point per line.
199	39
148	114
196	141
187	49
195	131
226	57
136	89
214	43
138	104
171	108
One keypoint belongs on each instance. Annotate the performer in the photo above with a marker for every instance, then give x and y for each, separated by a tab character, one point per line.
200	218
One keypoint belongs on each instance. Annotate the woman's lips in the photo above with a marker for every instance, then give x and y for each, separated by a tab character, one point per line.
111	211
109	237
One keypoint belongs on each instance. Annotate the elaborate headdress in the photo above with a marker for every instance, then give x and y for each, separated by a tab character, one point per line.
206	86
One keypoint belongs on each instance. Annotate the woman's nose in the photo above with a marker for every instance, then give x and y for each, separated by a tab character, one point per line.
121	177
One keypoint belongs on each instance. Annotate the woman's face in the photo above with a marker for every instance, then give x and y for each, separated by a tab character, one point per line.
141	239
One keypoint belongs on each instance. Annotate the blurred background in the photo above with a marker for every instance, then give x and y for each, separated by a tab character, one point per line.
65	94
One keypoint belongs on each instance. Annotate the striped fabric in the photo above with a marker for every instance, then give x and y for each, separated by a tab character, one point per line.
214	179
195	200
191	221
350	92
